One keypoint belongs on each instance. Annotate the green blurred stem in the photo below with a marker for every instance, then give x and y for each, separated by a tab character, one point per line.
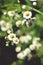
20	6
11	19
36	10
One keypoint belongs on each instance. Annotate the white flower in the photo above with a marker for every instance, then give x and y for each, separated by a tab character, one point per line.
18	23
23	54
38	46
18	49
7	44
34	42
2	22
27	14
15	40
11	13
20	55
8	31
28	37
5	13
27	51
3	28
23	6
18	32
22	39
32	47
36	38
11	36
25	39
8	25
34	3
18	1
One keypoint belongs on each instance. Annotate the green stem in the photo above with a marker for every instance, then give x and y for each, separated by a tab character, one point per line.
36	10
20	6
11	23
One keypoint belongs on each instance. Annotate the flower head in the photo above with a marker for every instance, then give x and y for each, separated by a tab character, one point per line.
32	47
5	13
29	37
2	22
38	46
15	40
11	13
18	49
20	55
27	51
11	36
34	3
5	25
23	6
8	31
18	23
27	14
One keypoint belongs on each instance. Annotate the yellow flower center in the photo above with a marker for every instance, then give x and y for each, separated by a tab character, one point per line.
17	48
12	36
15	40
32	46
19	55
39	46
27	13
28	50
12	12
19	23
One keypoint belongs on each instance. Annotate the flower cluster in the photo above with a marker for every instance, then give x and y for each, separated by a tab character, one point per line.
24	40
12	37
26	19
27	51
17	38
